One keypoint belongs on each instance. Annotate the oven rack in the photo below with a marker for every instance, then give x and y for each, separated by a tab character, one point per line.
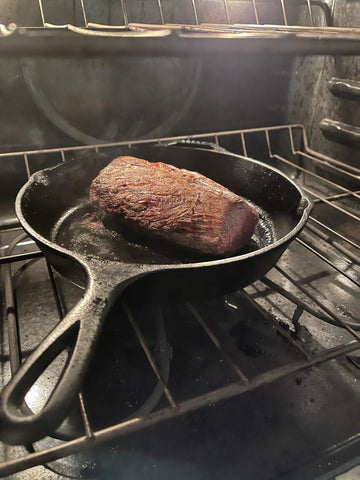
198	14
334	249
314	33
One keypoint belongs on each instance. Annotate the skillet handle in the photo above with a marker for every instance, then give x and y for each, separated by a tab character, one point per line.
78	331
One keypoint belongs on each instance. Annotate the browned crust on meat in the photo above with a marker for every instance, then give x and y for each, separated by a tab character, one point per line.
182	206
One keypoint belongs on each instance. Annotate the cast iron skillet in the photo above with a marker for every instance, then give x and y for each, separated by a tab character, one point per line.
53	207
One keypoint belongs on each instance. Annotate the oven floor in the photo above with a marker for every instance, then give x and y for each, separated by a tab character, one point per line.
304	426
277	432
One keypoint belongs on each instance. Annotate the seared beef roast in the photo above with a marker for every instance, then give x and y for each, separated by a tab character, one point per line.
178	205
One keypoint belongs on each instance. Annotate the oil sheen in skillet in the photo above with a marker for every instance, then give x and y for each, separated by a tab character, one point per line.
86	231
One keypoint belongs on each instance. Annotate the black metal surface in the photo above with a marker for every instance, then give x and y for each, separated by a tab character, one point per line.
67	44
317	101
296	327
41	208
270	423
340	132
115	336
345	88
19	257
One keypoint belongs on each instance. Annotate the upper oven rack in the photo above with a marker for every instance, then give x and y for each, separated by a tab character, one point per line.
313	33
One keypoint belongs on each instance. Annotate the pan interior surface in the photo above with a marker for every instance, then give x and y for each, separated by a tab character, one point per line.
86	231
55	206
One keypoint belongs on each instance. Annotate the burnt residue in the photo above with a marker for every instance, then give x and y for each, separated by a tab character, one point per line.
248	340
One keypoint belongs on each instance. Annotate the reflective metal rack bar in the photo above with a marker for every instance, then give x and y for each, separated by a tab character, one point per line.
336	251
246	32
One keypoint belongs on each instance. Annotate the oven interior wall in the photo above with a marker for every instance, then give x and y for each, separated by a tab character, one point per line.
66	102
57	102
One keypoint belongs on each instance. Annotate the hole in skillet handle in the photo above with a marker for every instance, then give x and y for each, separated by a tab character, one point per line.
79	330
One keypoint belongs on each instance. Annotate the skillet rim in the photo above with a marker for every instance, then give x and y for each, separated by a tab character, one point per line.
86	260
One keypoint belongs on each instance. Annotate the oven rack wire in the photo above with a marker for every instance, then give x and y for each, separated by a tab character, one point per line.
319	239
313	34
226	18
196	12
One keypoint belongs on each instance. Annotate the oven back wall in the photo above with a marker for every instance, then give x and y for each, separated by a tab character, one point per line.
51	102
